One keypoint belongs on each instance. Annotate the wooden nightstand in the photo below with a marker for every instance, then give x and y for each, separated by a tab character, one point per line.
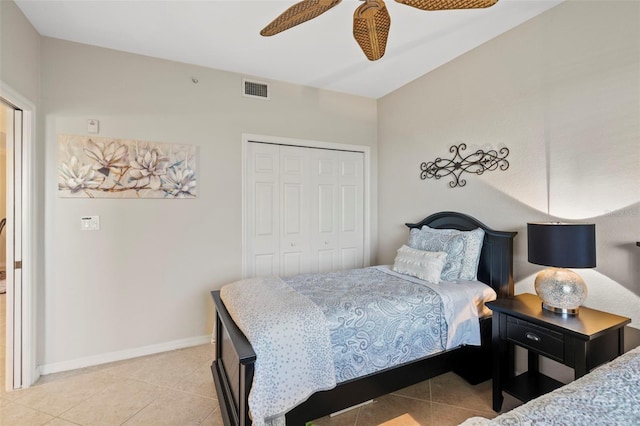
581	341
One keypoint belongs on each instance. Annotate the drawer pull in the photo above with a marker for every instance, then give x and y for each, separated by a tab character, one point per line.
532	336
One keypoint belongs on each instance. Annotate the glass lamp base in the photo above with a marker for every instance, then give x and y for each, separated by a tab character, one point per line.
562	291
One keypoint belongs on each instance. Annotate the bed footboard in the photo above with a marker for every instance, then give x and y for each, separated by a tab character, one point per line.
233	367
233	375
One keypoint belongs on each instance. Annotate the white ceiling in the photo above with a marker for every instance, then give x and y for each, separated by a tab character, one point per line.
319	53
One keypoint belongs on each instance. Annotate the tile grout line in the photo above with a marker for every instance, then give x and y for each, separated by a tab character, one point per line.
431	404
17	400
164	387
209	415
105	389
411	397
191	372
357	416
461	407
102	390
138	412
63	419
34	409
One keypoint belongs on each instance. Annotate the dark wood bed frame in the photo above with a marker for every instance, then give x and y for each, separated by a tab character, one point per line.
233	367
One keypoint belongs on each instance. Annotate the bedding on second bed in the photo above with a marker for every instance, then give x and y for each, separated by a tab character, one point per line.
609	395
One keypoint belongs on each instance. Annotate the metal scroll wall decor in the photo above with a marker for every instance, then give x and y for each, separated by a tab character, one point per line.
477	163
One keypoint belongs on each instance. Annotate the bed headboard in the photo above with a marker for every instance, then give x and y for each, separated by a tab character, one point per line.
496	258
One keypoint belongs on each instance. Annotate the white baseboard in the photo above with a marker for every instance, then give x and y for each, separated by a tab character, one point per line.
74	364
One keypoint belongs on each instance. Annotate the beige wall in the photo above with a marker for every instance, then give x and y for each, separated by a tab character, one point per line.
144	278
19	52
562	92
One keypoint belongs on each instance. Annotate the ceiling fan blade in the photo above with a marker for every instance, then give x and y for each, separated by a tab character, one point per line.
297	14
371	23
448	4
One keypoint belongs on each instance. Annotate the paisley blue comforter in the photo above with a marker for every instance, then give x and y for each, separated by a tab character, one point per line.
379	319
364	320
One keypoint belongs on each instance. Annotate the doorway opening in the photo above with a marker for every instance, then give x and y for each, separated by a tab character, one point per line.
5	111
18	368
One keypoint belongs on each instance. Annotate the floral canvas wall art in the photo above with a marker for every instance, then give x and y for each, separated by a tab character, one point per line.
99	167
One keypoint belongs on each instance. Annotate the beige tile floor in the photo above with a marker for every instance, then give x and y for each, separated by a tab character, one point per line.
176	388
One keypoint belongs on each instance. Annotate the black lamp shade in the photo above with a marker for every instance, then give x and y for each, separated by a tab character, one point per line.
563	245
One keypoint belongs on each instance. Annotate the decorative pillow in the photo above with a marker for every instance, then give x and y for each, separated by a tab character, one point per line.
472	248
426	265
448	240
427	240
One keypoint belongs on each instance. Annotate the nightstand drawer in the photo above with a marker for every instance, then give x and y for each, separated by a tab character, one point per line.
543	341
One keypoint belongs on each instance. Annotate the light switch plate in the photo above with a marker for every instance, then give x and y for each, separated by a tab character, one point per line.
90	223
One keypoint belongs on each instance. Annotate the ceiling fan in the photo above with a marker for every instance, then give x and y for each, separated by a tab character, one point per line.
371	20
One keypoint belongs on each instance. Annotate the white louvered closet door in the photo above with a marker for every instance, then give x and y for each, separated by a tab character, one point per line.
304	210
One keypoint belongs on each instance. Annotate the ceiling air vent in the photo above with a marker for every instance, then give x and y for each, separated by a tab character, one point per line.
255	89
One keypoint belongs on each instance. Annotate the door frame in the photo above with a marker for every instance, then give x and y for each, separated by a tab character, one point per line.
27	328
365	150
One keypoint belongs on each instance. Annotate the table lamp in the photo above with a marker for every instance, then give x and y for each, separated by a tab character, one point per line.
560	246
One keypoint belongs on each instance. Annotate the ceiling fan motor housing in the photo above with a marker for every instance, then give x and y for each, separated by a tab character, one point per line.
371	23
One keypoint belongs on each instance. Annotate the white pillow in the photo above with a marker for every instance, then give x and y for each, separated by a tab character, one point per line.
426	265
